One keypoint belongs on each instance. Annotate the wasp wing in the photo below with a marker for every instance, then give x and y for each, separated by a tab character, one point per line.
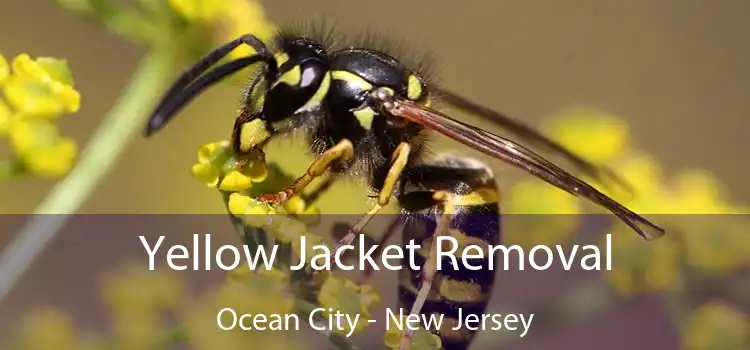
526	133
519	156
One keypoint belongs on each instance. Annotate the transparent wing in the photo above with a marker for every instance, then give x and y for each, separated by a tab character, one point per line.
533	137
519	156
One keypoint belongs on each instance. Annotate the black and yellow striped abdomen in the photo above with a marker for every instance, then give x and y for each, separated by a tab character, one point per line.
457	290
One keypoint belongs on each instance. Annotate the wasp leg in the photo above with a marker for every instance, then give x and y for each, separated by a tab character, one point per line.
429	269
313	196
342	151
398	163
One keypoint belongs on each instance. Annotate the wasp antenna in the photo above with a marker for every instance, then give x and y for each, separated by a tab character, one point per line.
186	87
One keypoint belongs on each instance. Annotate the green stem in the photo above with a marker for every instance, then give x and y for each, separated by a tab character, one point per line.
99	157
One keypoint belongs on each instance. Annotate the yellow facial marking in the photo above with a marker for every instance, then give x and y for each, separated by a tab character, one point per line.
291	77
351	78
365	117
281	58
413	88
484	195
320	94
258	97
252	134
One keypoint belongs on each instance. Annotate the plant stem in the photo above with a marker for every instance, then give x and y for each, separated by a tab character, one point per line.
123	121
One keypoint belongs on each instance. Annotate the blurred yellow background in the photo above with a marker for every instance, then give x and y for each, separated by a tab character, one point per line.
676	70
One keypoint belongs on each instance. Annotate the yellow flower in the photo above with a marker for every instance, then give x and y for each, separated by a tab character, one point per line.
41	88
346	297
697	192
216	161
540	214
139	329
715	243
421	339
54	161
137	299
134	289
644	175
48	329
206	173
244	17
287	230
295	205
199	10
642	266
41	148
256	293
717	326
252	212
6	118
596	136
235	181
4	69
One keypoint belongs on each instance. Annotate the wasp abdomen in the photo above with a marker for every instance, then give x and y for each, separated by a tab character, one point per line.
462	285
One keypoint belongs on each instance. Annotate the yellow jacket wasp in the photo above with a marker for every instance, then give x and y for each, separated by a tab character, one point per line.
366	114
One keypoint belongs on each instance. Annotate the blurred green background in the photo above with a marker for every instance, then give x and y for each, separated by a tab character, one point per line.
676	70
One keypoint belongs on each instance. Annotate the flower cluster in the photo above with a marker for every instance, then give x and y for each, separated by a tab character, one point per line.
37	92
261	292
716	325
691	205
241	180
187	27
